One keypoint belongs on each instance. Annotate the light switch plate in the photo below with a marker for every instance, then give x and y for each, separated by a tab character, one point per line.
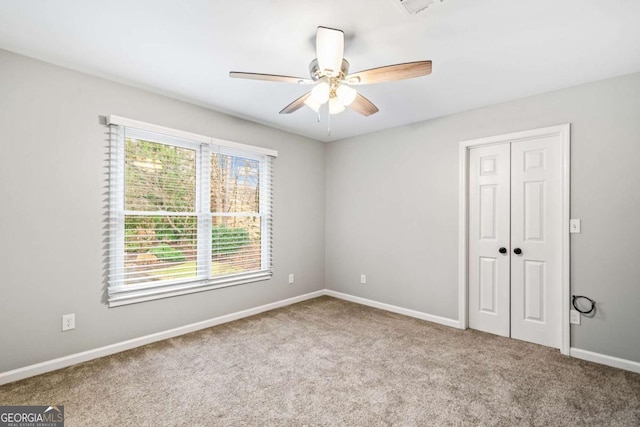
574	226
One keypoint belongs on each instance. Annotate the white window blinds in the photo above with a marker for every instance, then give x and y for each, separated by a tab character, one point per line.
187	213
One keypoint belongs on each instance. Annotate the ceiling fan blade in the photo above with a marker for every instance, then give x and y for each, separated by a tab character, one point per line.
329	50
269	77
363	106
408	70
295	105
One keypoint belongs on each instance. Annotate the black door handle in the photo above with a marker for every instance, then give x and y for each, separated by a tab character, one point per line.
517	251
502	250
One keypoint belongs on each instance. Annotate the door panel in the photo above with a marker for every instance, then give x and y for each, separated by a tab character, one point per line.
534	290
489	214
535	229
533	211
488	285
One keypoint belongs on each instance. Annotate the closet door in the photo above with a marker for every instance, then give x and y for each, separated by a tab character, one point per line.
536	199
489	218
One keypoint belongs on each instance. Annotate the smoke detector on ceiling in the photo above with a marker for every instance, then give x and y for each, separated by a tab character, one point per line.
414	6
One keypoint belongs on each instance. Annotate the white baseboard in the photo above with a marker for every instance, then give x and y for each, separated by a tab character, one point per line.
73	359
603	359
395	309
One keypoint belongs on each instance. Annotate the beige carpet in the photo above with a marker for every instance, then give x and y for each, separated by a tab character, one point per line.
331	363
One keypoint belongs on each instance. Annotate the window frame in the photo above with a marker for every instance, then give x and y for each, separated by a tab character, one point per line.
119	293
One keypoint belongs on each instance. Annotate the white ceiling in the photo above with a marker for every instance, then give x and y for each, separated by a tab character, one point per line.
483	52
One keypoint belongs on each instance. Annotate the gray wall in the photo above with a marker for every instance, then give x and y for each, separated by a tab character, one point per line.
390	202
392	207
52	201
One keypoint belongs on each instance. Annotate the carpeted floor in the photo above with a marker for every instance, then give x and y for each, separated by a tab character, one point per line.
328	362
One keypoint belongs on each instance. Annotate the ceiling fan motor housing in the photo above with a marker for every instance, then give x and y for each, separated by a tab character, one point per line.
316	73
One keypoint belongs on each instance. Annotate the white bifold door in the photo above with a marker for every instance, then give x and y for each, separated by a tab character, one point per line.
515	239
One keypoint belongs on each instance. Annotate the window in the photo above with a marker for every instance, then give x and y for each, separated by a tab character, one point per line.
187	213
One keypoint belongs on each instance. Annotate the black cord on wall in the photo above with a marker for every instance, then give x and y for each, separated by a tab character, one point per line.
577	297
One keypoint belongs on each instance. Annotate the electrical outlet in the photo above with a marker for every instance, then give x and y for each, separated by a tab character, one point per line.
68	322
574	317
363	278
291	278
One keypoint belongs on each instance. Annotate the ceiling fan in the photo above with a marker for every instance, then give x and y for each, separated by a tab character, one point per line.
332	82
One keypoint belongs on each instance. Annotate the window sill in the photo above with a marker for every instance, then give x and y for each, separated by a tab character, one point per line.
123	296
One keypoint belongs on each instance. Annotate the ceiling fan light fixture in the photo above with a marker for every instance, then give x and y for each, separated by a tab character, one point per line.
335	105
313	104
320	92
346	94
